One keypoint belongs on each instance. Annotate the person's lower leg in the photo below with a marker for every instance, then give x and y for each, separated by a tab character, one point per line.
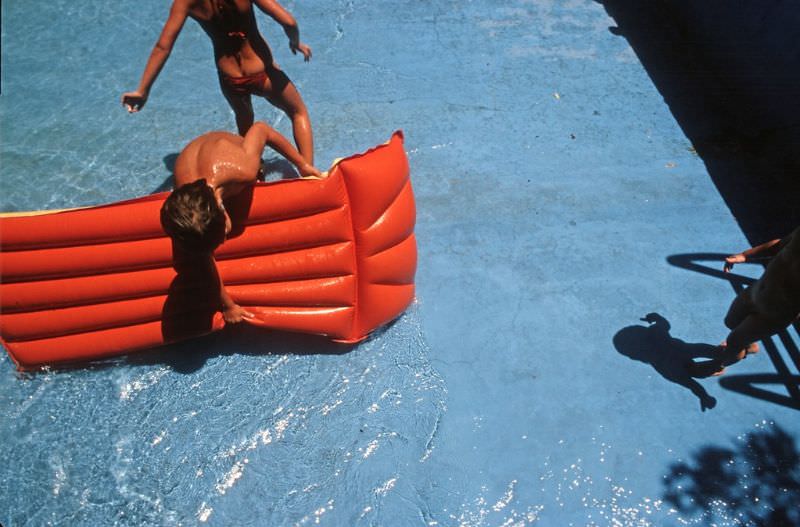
244	120
303	136
743	339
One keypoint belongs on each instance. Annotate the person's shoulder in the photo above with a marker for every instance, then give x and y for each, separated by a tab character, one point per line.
219	134
213	137
221	139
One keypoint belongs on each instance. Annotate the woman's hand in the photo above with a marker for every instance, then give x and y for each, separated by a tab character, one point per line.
134	101
302	48
733	259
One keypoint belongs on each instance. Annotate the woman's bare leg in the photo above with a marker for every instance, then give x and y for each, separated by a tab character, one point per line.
740	341
242	107
755	327
741	306
283	94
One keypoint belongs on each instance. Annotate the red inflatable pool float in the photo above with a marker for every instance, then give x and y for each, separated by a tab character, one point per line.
334	257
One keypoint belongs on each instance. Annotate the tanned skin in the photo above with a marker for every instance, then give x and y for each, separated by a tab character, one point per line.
230	163
767	306
239	51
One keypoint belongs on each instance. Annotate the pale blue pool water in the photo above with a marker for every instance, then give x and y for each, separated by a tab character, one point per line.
250	433
554	187
253	428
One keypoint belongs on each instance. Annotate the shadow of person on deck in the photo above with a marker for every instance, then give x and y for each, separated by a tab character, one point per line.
786	391
669	356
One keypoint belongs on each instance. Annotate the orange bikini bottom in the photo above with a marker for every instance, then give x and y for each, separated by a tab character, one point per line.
246	85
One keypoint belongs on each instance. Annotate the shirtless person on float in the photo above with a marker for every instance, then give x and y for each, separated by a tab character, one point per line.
244	61
769	305
212	169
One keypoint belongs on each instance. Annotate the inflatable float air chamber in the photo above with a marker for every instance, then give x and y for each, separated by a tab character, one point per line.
333	257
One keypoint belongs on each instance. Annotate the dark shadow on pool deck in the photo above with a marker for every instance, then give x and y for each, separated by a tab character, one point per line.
729	72
760	386
757	482
653	345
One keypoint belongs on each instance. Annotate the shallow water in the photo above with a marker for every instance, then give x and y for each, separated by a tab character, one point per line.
254	426
293	427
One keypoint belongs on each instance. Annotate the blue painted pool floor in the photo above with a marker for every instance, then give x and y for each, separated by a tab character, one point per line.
559	203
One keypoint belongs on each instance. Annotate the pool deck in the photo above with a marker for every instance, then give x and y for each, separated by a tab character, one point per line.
561	198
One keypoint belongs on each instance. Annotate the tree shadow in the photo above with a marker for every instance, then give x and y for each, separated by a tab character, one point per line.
753	385
729	72
757	482
653	345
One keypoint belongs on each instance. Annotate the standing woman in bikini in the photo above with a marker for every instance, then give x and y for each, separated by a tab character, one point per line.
244	61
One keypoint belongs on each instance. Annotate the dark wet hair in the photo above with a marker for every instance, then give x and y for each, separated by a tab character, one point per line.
193	218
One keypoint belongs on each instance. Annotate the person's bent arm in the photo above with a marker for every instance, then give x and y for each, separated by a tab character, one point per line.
232	312
765	250
261	134
135	100
283	17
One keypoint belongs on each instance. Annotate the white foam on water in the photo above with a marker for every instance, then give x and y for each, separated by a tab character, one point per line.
232	476
204	512
130	389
